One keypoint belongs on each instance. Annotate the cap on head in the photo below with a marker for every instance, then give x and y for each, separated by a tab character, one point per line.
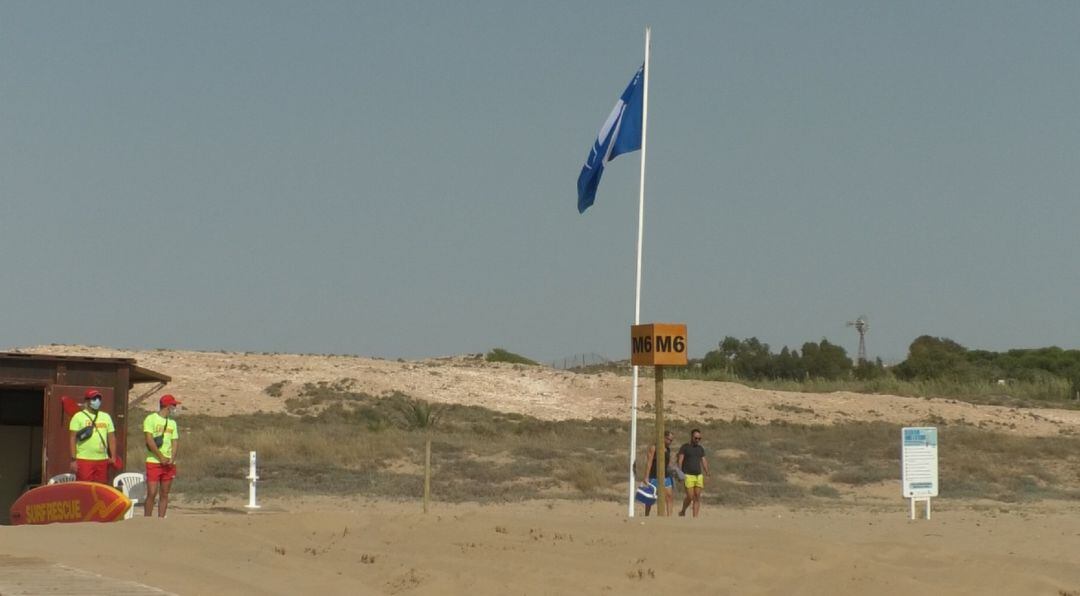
168	400
92	394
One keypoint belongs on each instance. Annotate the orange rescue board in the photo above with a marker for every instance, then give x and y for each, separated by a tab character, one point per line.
69	502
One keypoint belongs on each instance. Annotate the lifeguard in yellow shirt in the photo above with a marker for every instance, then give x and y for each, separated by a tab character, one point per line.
91	440
161	434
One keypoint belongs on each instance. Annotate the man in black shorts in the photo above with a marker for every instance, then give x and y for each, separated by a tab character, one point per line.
692	463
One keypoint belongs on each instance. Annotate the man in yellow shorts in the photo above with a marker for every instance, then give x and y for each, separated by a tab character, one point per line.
692	463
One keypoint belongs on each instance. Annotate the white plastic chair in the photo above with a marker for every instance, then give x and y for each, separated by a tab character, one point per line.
65	477
133	485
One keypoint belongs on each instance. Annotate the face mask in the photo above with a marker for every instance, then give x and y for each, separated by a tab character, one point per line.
173	411
95	404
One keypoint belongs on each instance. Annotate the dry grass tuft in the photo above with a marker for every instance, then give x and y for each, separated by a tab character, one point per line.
585	477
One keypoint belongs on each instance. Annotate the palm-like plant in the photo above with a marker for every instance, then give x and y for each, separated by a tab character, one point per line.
421	415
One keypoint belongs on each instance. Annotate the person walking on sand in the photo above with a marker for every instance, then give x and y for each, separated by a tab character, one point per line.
160	434
650	473
91	440
692	463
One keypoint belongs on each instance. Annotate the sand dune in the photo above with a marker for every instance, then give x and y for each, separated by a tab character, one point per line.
223	383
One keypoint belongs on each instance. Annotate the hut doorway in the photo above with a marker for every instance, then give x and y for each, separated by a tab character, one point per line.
22	420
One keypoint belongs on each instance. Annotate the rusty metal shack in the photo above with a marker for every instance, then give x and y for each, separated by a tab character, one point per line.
33	429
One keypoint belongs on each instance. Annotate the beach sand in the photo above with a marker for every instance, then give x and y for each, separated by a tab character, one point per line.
334	546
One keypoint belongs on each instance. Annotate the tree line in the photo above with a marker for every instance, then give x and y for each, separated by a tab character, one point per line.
753	359
928	358
940	357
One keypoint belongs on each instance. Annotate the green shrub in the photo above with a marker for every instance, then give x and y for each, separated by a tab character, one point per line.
274	389
824	490
501	355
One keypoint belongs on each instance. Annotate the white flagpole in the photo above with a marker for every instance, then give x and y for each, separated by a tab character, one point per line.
637	284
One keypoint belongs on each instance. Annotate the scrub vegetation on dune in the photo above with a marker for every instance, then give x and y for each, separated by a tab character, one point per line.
934	367
334	441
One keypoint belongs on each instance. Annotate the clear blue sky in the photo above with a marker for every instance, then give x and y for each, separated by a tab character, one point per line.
398	179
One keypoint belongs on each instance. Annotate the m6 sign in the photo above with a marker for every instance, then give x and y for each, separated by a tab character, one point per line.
658	344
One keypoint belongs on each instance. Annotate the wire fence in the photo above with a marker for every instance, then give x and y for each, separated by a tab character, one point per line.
580	361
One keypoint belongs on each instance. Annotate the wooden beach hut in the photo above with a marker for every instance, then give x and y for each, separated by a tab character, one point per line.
33	429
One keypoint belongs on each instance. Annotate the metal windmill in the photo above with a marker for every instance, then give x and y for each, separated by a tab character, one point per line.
861	325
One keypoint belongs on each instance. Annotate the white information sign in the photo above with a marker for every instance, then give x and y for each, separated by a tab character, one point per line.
919	466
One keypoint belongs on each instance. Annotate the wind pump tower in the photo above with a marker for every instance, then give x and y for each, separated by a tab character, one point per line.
861	325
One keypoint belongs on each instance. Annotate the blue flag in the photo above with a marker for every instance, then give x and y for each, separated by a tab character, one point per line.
621	133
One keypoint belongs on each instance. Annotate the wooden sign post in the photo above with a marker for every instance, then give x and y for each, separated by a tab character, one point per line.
659	345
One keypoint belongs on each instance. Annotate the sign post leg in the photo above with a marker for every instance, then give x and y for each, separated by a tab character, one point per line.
925	500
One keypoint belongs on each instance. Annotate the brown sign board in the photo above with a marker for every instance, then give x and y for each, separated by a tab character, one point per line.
658	344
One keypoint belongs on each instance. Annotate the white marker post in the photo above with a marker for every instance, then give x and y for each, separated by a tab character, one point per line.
919	465
252	477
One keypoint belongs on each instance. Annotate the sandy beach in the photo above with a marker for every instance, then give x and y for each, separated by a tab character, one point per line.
328	546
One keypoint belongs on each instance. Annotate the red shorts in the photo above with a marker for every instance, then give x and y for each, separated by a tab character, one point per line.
160	472
90	470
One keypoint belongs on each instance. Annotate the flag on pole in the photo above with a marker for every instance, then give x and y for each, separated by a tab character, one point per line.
621	133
